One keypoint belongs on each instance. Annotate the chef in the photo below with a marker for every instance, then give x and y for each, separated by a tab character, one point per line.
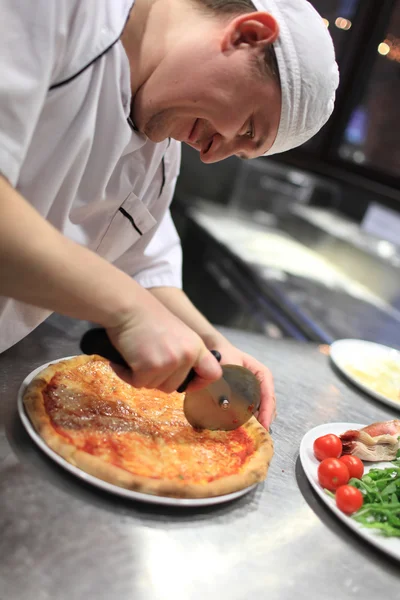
95	98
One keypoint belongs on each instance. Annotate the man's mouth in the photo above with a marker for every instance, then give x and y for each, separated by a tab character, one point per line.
194	141
206	148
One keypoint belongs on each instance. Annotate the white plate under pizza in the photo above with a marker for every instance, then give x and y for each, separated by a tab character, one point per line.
137	443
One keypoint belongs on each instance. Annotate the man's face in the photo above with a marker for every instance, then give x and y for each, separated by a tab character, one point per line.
215	102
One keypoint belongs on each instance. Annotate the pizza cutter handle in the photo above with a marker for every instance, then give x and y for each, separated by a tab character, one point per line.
96	341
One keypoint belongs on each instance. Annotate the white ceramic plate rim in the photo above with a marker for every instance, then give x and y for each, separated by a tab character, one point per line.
340	349
104	485
310	465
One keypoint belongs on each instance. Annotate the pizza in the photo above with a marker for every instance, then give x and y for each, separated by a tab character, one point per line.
139	439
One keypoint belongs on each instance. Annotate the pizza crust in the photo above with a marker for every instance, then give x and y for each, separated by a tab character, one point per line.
253	471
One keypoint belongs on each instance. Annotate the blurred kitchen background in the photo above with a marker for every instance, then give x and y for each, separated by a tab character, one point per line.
306	245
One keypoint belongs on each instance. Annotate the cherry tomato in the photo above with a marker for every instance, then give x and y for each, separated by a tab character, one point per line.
354	465
348	499
328	446
332	473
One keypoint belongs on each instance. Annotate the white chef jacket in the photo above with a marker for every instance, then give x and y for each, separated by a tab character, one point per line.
68	145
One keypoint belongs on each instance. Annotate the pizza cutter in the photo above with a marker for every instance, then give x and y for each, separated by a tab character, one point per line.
224	404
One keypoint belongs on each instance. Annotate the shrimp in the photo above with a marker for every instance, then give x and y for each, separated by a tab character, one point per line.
376	442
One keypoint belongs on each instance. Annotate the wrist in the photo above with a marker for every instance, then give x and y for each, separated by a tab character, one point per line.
127	305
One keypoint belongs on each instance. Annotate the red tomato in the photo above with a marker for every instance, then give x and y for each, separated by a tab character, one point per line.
348	499
328	446
332	473
354	465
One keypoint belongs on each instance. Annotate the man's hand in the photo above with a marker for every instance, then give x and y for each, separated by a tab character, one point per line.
232	355
160	349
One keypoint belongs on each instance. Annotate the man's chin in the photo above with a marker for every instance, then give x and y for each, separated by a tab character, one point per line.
161	137
155	132
154	136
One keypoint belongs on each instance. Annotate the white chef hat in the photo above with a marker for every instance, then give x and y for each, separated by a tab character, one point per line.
308	71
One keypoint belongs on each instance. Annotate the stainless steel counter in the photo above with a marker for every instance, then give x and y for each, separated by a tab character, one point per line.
63	540
318	296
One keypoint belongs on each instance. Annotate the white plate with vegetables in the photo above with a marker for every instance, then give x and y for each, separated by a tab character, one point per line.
378	519
372	367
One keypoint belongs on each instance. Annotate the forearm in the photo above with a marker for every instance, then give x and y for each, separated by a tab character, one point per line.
179	304
40	266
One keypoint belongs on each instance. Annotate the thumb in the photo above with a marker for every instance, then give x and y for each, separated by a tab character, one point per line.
207	367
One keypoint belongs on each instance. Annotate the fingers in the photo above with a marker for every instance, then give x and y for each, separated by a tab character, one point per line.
165	365
207	367
267	415
122	373
170	383
267	411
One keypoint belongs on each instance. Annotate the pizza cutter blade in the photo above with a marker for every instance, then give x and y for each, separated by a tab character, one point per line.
226	403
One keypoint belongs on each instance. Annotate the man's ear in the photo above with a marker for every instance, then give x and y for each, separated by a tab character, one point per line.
251	29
